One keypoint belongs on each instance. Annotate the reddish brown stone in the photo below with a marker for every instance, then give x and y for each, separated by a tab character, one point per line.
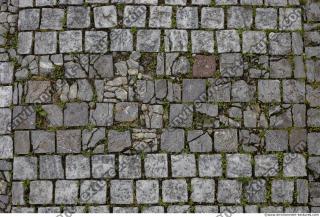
204	66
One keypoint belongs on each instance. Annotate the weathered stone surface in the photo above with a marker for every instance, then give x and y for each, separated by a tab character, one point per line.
25	168
41	192
172	140
121	191
66	192
77	167
118	141
51	167
174	191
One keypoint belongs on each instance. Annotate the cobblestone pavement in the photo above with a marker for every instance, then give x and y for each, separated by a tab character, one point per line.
160	106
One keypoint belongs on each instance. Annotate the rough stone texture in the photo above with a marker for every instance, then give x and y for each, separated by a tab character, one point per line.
148	106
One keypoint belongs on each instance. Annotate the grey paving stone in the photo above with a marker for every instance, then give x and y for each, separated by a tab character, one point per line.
176	40
202	42
226	2
135	16
282	191
94	139
276	140
51	167
24	117
45	43
228	41
118	141
41	192
199	141
226	140
6	147
148	40
269	90
206	209
256	191
293	91
194	89
266	18
183	165
231	65
29	19
25	42
25	168
272	209
314	143
280	68
70	41
174	190
105	16
156	166
18	193
6	72
129	166
23	210
176	2
178	209
231	209
22	142
302	190
76	114
210	165
313	117
126	112
187	18
77	167
212	18
96	41
121	191
238	165
266	165
229	191
66	192
153	209
38	92
160	17
99	209
290	19
78	17
103	166
239	17
102	66
314	194
254	42
99	194
68	141
48	209
275	3
279	43
51	18
125	210
45	2
242	91
43	141
203	190
54	115
121	40
294	165
181	115
147	191
312	95
172	140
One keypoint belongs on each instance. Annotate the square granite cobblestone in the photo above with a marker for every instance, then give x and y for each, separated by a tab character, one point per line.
160	106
